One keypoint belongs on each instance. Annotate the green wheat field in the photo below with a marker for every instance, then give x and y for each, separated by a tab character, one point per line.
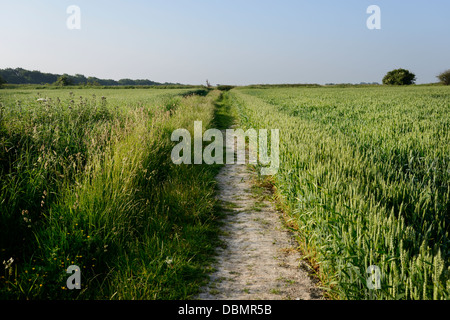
87	180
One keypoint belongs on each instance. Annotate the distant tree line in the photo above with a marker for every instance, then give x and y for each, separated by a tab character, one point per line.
22	76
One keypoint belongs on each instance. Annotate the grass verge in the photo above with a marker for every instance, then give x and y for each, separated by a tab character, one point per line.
138	226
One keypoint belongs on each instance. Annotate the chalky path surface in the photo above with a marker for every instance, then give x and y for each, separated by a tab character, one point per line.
258	260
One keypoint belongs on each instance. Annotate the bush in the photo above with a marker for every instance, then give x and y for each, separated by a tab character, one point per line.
224	87
64	81
444	77
399	77
2	82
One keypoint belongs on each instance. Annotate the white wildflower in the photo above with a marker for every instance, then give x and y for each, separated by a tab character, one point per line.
8	263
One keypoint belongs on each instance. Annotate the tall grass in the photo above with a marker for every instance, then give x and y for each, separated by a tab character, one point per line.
89	182
364	176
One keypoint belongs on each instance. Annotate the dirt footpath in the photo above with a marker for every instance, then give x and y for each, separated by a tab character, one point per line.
258	260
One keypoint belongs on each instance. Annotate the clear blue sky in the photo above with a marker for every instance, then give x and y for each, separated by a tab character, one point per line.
228	41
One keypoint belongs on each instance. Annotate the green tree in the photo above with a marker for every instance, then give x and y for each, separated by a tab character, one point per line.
79	79
2	82
399	77
91	81
444	77
126	82
64	81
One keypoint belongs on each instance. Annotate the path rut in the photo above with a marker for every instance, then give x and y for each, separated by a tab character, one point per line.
258	259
